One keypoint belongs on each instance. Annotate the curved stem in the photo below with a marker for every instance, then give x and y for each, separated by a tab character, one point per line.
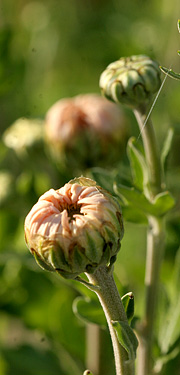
113	308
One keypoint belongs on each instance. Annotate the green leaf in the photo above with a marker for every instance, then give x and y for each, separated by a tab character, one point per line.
126	338
161	204
170	73
128	303
89	310
167	146
134	215
138	165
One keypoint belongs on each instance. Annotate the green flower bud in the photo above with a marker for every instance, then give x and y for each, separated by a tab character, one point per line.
131	80
85	131
74	229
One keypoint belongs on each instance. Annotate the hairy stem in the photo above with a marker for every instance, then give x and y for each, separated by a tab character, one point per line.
113	308
151	152
155	246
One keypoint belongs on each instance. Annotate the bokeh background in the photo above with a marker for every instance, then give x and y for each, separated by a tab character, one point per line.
50	50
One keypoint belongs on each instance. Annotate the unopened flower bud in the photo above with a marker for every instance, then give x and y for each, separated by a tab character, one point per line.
85	131
131	80
74	229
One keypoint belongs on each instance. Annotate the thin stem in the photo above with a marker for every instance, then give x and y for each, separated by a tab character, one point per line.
99	357
155	249
155	246
113	308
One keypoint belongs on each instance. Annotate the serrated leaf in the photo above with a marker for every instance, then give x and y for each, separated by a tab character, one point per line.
138	165
89	310
167	146
126	338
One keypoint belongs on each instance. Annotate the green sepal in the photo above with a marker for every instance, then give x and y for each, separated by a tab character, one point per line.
131	197
128	303
89	310
170	73
126	338
42	263
138	165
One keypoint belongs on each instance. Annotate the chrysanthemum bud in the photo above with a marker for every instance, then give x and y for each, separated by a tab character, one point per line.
85	131
131	80
23	133
74	229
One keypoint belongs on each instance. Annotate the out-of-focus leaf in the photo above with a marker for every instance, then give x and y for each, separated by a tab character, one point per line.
103	178
133	215
89	311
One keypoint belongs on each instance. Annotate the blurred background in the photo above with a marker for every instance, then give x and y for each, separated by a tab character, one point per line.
51	50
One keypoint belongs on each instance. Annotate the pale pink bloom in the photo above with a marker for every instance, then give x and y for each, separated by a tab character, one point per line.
89	123
76	221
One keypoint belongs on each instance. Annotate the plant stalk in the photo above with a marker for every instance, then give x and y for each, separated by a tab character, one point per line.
155	246
113	309
155	249
151	152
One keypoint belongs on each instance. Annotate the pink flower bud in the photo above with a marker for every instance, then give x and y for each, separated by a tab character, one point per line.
74	229
86	130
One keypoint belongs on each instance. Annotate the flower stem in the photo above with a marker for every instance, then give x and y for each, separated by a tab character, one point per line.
155	246
151	151
114	311
155	249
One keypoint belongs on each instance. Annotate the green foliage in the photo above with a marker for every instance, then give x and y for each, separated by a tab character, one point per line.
89	310
128	303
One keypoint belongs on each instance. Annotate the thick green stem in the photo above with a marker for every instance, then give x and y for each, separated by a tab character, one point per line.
155	246
151	152
113	308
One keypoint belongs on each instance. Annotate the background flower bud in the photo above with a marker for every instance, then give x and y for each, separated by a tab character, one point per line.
74	229
85	131
131	80
24	133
